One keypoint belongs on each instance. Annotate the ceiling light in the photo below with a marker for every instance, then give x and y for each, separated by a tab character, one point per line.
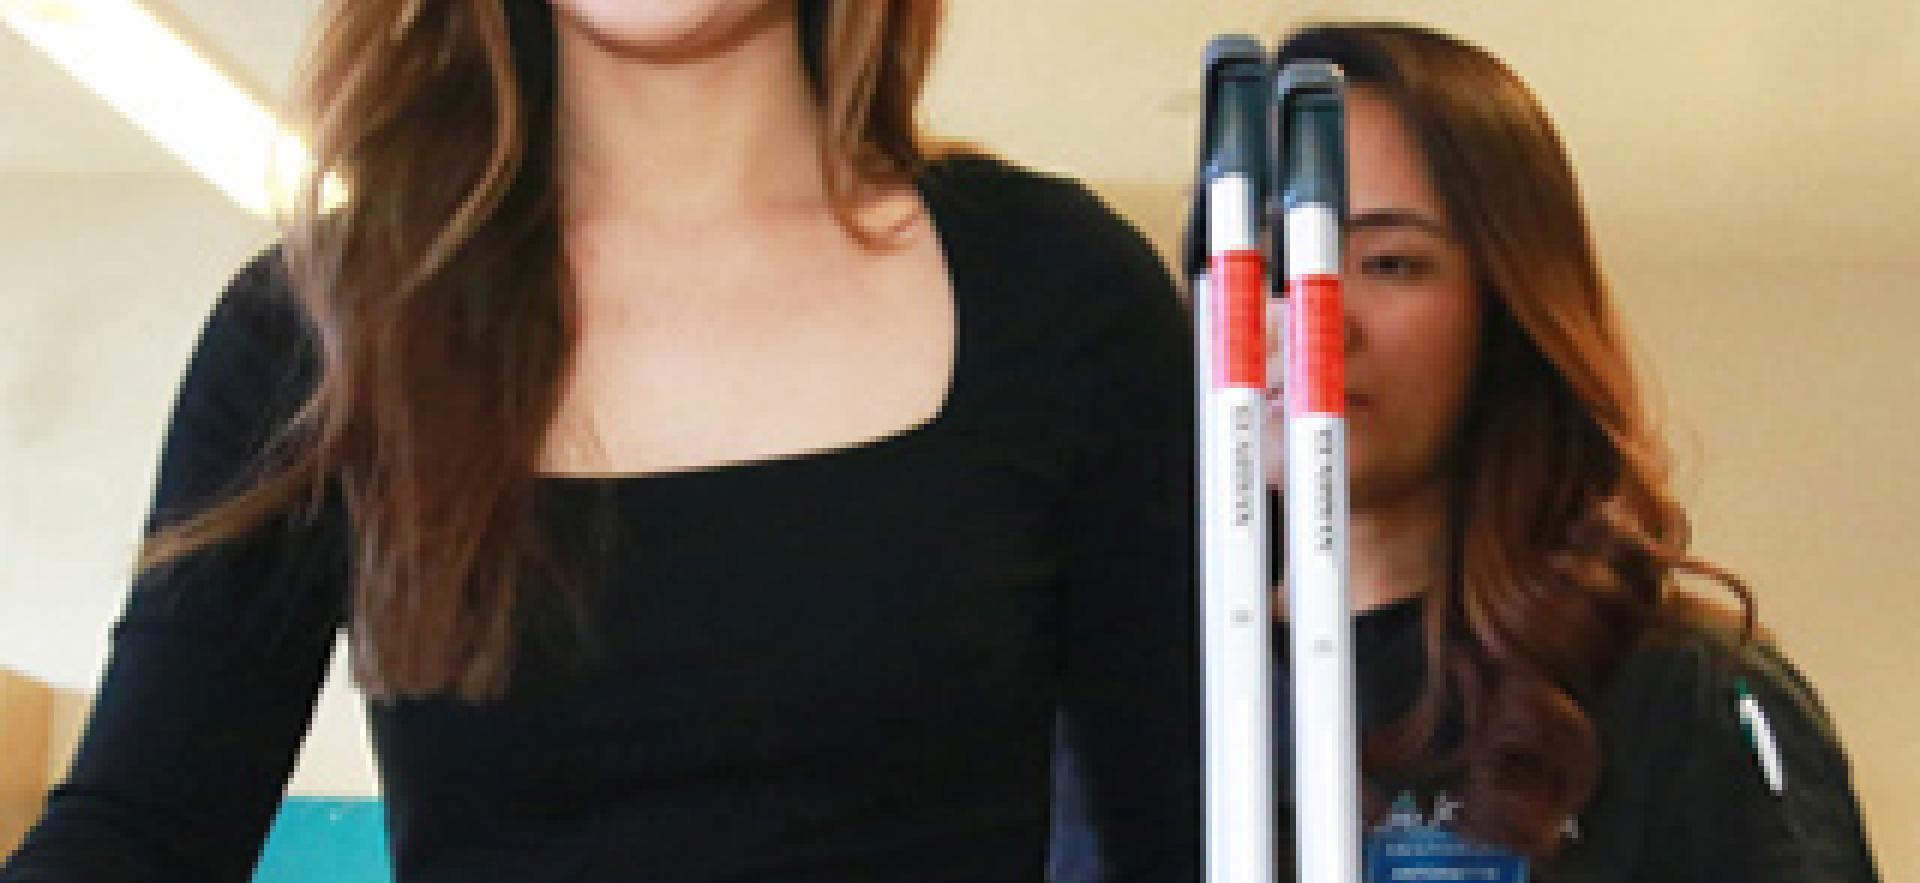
143	69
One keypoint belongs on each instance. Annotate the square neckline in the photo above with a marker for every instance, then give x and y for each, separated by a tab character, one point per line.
958	372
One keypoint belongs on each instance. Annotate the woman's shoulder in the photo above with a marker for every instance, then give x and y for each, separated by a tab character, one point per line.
258	303
258	327
1703	652
973	167
1705	664
1724	738
1036	240
1024	204
253	365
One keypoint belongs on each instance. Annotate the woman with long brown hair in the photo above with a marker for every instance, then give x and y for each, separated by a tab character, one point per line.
1540	698
713	484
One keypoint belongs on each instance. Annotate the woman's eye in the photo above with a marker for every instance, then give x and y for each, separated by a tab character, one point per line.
1396	266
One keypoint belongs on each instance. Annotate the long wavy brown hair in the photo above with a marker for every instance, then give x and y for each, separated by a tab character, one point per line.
1565	538
443	318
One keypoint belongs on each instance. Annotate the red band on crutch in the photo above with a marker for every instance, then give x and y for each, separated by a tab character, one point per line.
1239	307
1316	347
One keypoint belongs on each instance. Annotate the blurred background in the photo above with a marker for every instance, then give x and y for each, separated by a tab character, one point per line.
1749	165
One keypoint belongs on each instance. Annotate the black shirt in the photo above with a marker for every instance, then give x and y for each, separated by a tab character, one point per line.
1682	797
829	667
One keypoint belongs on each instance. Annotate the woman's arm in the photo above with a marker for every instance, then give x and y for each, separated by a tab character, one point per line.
1753	819
217	659
1696	777
1130	722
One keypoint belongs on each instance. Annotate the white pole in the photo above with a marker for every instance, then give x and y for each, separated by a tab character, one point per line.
1230	296
1310	160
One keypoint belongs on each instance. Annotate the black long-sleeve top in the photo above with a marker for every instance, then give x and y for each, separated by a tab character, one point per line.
1683	795
828	667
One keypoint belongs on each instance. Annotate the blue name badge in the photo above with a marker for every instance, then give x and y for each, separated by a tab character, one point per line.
1409	849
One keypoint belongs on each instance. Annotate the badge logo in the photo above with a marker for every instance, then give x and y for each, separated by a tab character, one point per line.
1410	846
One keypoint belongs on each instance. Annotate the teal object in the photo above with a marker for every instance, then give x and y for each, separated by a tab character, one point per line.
327	840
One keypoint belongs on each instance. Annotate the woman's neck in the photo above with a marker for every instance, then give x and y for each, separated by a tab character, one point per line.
1397	548
688	139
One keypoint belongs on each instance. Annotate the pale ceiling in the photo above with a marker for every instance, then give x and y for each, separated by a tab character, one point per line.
1748	128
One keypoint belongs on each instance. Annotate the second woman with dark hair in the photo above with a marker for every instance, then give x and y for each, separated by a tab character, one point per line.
1541	699
714	486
